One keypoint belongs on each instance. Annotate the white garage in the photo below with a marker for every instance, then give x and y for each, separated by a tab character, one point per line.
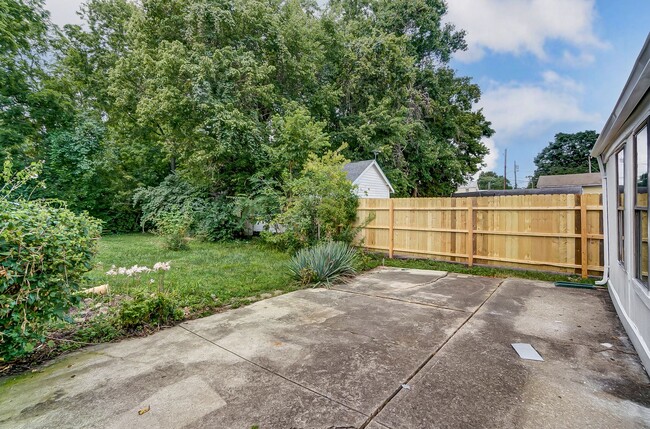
370	180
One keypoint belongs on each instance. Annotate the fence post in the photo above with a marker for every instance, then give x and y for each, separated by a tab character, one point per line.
391	227
583	236
470	232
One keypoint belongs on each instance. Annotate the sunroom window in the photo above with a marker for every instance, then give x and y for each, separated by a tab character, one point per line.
620	203
641	204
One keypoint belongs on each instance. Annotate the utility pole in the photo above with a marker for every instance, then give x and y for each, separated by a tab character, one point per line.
589	162
505	168
516	170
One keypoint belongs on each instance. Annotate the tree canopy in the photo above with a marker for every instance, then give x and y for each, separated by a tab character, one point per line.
491	180
567	154
235	95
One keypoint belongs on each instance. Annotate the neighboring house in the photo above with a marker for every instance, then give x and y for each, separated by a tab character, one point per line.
622	153
591	183
369	179
470	187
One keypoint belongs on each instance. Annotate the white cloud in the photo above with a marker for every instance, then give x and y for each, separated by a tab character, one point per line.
524	26
491	158
525	110
64	11
521	112
554	80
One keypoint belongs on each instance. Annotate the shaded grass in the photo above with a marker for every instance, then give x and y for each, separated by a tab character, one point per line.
207	275
373	260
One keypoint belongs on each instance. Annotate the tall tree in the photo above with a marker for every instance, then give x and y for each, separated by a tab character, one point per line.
567	154
401	98
28	109
491	180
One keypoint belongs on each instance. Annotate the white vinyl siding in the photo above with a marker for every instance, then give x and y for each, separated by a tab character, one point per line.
371	184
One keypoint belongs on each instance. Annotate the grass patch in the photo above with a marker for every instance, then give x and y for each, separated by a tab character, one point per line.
205	276
372	260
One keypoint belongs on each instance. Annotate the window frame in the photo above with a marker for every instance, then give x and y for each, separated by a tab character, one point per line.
620	203
638	210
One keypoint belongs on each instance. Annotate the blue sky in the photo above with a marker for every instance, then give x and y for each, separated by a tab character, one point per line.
544	66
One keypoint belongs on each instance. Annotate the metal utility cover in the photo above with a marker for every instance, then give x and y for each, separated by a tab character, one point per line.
526	351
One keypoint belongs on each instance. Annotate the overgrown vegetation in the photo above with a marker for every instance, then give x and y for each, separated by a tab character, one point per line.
44	251
320	205
323	263
233	98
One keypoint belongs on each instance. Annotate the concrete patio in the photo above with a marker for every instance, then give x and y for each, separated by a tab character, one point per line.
393	349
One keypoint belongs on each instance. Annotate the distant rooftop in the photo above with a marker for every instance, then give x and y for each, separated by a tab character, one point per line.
563	180
354	169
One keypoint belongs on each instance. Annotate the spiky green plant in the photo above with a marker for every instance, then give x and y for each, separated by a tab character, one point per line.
323	263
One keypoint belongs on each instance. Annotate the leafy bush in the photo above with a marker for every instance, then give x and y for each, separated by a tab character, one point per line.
44	251
172	194
323	263
174	226
319	205
177	205
222	219
157	309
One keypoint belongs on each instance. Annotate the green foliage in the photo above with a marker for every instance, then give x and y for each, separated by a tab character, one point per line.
567	154
155	310
319	205
44	251
176	205
491	180
223	218
228	94
99	329
323	263
174	226
172	194
27	106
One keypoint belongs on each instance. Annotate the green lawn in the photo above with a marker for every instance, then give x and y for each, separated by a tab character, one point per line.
208	275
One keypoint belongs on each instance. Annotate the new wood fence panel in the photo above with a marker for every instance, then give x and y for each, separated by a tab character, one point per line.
542	232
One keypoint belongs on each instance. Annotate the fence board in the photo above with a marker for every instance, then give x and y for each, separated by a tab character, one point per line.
542	232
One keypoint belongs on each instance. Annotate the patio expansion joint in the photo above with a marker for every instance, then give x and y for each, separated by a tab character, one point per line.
427	360
406	301
269	370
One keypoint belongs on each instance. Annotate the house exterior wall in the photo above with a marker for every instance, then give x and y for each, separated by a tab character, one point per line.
592	190
372	185
630	297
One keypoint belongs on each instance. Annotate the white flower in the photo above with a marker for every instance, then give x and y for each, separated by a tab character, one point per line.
112	271
164	266
151	280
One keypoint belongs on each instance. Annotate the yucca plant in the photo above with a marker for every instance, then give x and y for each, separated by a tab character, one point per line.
323	263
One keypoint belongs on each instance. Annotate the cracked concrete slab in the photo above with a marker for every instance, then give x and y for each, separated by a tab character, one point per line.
356	349
477	380
186	382
449	290
333	358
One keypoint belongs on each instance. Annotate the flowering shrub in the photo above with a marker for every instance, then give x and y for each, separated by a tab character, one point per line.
44	251
136	271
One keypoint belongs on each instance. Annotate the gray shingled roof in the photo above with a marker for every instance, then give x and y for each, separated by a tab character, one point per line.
354	169
583	179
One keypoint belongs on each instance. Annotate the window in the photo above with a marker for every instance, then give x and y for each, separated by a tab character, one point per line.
620	203
641	203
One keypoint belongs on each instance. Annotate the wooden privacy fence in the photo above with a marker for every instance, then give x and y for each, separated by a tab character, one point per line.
540	232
